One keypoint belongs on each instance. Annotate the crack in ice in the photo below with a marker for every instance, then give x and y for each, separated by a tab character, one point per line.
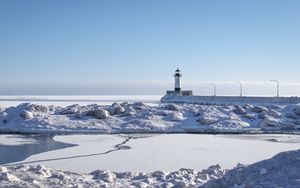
117	147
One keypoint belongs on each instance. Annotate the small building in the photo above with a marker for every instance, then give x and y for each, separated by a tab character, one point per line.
177	88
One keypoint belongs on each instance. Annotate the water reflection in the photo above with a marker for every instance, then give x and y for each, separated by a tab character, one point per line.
37	144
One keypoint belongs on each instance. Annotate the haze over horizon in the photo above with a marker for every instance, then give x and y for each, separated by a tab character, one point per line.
133	47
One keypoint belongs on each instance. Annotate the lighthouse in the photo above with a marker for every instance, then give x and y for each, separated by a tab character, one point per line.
178	91
177	76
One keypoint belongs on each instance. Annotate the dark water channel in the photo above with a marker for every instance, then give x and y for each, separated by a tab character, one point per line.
22	148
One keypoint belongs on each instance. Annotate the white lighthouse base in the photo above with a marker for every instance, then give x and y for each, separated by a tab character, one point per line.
180	93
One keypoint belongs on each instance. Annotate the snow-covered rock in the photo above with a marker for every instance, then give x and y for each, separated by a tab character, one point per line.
139	105
138	117
274	113
104	175
262	115
73	109
8	177
116	108
292	116
26	115
38	108
176	116
239	110
119	110
249	117
281	170
3	169
172	107
207	120
259	109
99	114
297	110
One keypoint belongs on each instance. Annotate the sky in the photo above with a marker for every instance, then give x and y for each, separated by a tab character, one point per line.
134	46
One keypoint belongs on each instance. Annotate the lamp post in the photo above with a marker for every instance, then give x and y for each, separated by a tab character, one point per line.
215	88
241	88
277	83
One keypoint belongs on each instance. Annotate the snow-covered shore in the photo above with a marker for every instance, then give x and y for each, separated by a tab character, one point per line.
280	171
141	118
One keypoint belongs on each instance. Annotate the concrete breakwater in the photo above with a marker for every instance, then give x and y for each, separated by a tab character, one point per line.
229	99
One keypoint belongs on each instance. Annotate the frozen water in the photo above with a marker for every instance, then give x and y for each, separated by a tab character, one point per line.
147	153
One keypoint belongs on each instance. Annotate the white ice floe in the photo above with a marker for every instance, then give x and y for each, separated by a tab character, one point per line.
138	117
281	170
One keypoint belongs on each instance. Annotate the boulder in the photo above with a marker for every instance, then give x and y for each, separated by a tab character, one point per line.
73	109
262	115
274	113
259	109
276	107
140	184
26	115
111	110
119	109
130	111
207	120
99	114
167	185
8	177
104	175
172	107
38	108
115	104
176	116
3	169
239	110
180	184
248	106
270	123
297	111
292	116
139	105
197	113
249	116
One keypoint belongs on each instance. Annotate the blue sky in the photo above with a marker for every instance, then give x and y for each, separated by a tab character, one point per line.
134	46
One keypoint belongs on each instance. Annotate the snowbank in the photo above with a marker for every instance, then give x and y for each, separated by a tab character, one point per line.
41	176
283	170
280	171
141	118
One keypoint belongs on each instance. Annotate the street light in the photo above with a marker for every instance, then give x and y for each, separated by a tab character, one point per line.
215	88
241	88
277	83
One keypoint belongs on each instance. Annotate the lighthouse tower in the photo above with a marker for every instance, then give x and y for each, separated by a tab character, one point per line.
177	91
177	76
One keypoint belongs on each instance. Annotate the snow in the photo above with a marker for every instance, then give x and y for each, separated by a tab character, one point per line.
41	176
281	170
139	117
